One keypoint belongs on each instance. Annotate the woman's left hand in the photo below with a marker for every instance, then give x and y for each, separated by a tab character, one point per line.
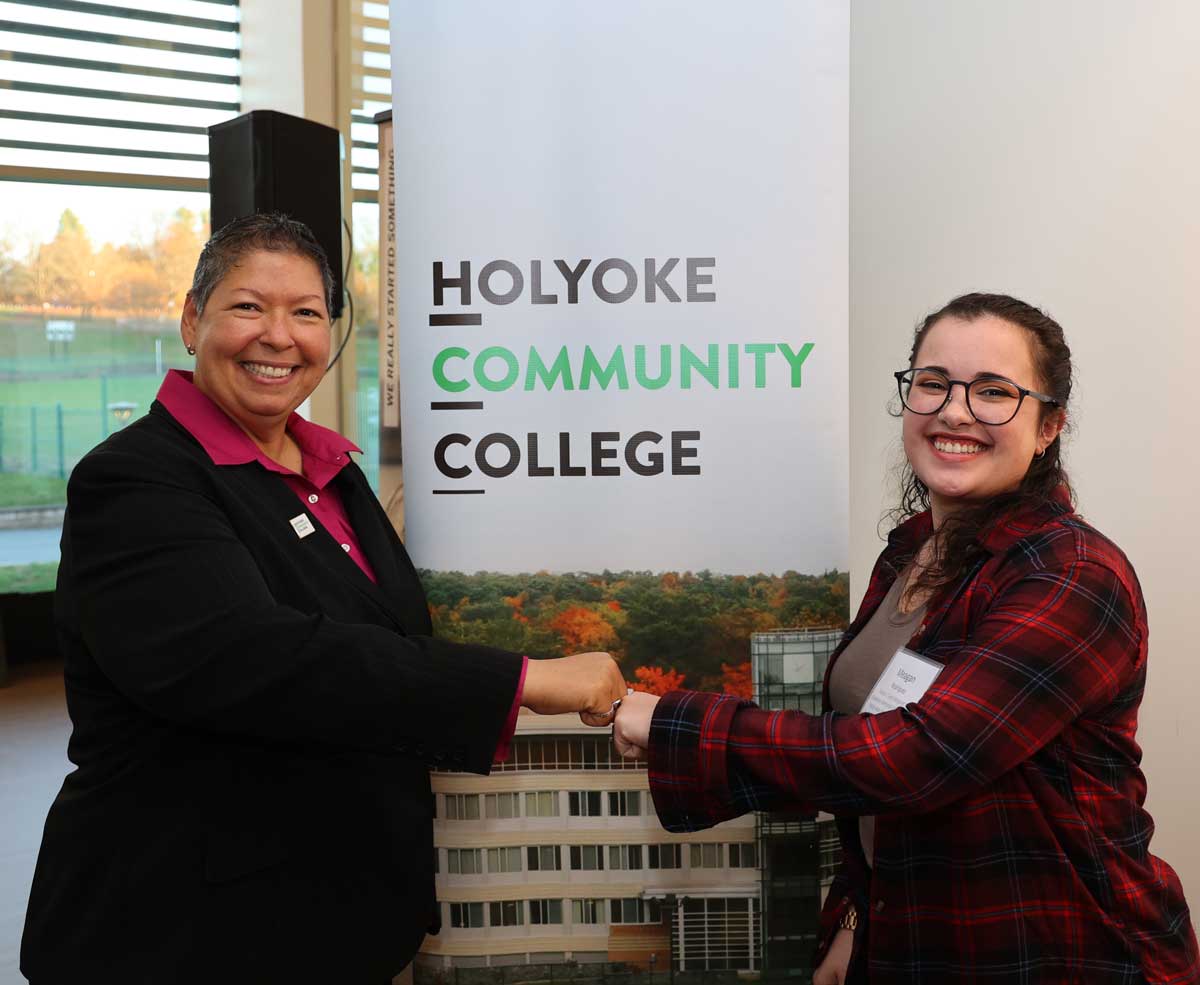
631	730
832	971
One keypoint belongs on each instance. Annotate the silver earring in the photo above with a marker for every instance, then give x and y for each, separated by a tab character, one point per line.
191	350
1041	454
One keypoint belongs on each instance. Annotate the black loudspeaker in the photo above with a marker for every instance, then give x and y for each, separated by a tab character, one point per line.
271	162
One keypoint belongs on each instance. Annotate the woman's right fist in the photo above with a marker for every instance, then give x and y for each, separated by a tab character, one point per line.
587	683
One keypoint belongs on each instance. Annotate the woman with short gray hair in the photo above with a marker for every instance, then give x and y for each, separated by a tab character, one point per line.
255	691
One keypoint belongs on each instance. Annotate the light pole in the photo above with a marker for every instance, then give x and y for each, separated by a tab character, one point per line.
121	411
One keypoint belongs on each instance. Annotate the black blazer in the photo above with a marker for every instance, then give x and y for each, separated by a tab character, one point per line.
253	720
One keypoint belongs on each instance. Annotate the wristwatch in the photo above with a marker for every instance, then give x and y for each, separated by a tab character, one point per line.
849	920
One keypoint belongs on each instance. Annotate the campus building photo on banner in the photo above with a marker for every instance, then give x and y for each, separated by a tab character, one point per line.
617	357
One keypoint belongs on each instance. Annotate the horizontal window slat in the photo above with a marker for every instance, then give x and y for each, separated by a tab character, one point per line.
116	94
91	121
114	23
156	155
120	86
122	96
219	10
94	105
105	179
123	140
71	34
366	99
57	61
132	14
118	54
362	20
70	160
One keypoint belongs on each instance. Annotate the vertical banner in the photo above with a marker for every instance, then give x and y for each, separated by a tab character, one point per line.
621	295
621	272
391	479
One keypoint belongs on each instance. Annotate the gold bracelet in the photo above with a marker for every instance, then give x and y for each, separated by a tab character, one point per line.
849	920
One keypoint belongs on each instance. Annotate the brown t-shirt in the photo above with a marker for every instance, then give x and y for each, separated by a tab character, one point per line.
858	668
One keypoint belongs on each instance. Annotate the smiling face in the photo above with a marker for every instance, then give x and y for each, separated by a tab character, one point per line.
262	341
960	460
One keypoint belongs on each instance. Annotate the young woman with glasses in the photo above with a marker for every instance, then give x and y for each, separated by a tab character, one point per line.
993	830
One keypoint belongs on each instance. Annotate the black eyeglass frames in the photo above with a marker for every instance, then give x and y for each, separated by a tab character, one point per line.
990	399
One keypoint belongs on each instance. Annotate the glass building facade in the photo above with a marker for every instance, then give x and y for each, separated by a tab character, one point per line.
798	852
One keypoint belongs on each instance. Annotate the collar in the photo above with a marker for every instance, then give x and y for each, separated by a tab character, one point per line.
1006	531
996	538
325	452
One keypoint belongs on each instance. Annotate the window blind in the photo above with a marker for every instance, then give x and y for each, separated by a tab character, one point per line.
100	93
370	46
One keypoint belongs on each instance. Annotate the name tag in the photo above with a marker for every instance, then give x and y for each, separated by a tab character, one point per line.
907	676
302	525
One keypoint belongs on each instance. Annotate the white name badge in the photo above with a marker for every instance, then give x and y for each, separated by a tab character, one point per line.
906	677
302	525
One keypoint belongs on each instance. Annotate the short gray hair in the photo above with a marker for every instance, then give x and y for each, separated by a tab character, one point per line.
272	231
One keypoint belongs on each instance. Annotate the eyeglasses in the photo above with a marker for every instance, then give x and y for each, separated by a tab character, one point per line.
991	400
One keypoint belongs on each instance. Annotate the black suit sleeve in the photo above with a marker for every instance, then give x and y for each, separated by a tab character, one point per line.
175	611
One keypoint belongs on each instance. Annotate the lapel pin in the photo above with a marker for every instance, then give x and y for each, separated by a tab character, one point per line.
302	525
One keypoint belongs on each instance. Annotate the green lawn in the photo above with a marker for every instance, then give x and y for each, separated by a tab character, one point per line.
55	400
100	345
28	577
18	489
91	393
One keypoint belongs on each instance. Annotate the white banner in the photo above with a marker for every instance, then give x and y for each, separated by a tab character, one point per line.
622	284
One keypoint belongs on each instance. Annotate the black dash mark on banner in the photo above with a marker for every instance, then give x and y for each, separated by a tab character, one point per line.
456	405
459	492
437	321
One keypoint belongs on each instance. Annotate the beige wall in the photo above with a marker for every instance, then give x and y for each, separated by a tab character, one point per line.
1051	151
273	56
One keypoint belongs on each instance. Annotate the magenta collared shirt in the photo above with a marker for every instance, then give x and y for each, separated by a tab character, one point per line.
324	453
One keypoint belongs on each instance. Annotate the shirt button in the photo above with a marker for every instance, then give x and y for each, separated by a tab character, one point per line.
879	906
346	548
312	497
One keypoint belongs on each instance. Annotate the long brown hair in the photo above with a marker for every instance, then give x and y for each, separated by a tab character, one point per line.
957	548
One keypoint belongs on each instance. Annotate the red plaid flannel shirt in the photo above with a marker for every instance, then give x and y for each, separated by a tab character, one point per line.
1011	843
